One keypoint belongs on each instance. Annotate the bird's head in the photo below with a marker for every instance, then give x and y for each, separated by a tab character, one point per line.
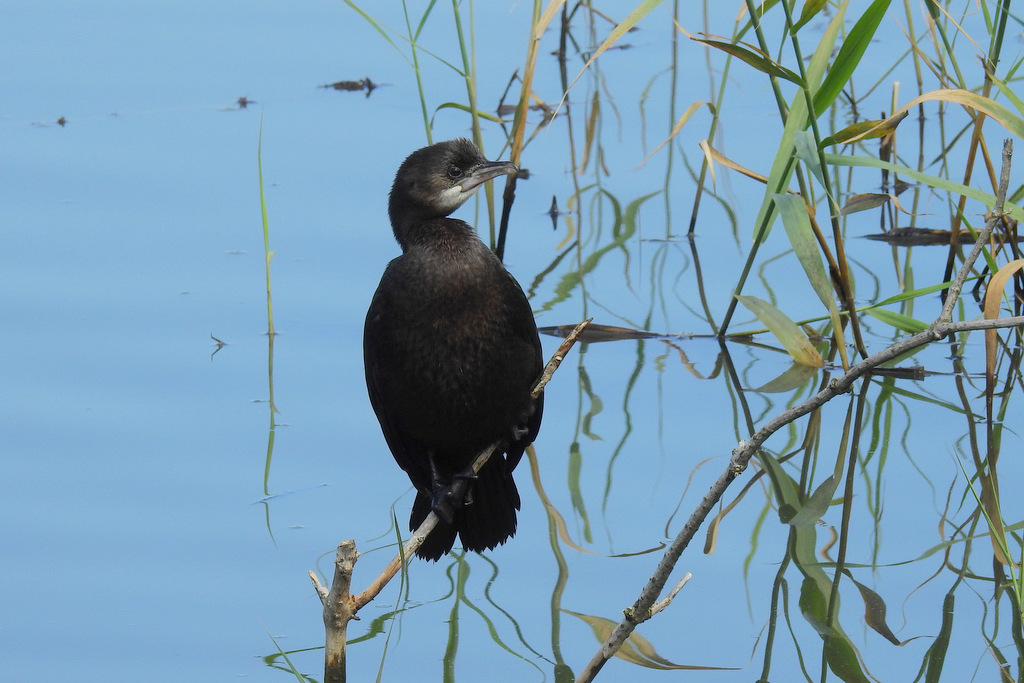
434	181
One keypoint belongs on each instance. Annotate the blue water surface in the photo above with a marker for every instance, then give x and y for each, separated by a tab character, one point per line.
145	534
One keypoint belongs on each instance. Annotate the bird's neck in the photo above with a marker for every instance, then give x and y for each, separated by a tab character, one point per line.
434	234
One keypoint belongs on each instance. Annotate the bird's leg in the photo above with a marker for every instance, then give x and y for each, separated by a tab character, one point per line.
469	475
441	500
520	430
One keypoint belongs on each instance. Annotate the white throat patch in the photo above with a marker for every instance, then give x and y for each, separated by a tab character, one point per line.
454	197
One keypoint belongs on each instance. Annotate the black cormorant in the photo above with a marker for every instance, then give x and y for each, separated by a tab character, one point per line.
451	352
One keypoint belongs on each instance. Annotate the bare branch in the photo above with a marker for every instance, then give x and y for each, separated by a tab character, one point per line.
320	589
558	356
997	214
662	604
338	611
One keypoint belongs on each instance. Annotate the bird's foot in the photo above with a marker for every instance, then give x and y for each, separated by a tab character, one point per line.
442	501
444	506
463	480
519	432
447	494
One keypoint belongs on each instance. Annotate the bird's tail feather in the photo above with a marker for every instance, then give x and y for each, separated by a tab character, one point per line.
488	520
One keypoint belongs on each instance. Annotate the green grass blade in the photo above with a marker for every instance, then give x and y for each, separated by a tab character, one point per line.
930	180
865	130
850	54
471	111
268	254
897	320
754	58
807	152
634	17
782	166
1010	95
423	19
785	330
801	237
377	26
993	109
810	10
907	296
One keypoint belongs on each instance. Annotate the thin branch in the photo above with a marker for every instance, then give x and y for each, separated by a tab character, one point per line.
662	604
994	217
321	590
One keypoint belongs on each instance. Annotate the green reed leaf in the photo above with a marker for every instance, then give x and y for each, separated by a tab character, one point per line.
785	330
850	54
985	198
805	245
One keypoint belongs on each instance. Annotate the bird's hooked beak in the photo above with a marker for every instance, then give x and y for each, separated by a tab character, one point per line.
484	172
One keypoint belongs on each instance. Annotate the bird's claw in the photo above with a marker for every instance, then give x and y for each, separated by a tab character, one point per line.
443	506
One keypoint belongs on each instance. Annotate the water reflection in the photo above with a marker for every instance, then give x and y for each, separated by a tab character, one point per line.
649	410
876	536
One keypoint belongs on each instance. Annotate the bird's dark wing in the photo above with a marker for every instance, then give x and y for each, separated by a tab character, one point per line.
385	392
525	335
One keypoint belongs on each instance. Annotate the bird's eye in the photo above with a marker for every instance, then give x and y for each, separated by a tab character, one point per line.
454	172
